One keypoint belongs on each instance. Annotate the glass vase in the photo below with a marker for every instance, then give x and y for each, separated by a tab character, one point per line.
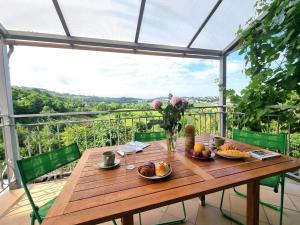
171	139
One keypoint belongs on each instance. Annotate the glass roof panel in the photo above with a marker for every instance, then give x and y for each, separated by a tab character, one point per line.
173	22
221	29
30	15
105	19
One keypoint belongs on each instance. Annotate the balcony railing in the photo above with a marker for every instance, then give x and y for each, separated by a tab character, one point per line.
38	133
45	132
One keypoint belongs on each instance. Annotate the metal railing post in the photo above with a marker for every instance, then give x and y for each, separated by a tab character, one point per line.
222	95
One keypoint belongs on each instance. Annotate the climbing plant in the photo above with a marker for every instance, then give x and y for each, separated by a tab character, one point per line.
271	48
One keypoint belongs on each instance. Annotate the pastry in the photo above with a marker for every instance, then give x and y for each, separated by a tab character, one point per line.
161	168
234	153
226	147
147	170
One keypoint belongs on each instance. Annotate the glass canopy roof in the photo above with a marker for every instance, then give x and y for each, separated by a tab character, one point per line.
191	24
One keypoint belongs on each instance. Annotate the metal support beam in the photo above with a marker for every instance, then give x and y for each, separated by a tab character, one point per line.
222	95
101	49
232	45
10	51
61	17
3	31
9	129
94	42
204	22
138	28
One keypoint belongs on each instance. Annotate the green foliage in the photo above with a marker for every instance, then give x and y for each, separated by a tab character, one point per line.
33	101
295	145
271	49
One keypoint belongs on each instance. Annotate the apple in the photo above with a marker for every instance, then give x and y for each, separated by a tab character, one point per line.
206	153
198	154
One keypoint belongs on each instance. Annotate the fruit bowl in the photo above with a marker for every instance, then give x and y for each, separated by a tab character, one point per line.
200	157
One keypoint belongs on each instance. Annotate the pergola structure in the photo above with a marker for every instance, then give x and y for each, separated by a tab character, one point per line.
204	29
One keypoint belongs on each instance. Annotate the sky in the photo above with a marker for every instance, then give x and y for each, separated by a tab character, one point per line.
120	75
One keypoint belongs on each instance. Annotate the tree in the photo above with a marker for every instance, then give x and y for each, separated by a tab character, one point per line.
271	48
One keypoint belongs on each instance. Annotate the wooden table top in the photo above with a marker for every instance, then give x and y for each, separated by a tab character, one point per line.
92	195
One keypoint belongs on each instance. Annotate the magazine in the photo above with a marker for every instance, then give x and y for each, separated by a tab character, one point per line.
133	146
264	154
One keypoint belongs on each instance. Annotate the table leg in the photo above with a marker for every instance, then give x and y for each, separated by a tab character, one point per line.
253	203
127	220
202	199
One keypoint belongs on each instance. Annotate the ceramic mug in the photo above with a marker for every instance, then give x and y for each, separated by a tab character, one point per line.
219	141
108	158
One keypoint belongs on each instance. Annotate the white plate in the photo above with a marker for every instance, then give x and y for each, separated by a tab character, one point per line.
231	157
157	177
102	166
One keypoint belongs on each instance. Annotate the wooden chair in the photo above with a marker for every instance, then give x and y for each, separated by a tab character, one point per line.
155	136
39	165
274	142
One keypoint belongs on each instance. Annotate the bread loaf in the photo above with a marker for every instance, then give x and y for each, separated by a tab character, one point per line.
161	168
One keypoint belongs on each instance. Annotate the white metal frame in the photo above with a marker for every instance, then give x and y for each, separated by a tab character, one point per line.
9	130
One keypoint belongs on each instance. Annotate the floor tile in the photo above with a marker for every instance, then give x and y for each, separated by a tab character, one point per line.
290	217
107	223
268	195
238	206
293	189
290	181
242	218
175	210
192	207
274	198
242	188
162	209
296	201
150	217
15	219
210	215
214	199
166	217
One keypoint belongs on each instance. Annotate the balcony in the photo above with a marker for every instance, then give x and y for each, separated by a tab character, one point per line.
39	133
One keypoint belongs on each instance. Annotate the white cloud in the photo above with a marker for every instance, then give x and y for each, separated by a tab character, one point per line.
112	74
235	66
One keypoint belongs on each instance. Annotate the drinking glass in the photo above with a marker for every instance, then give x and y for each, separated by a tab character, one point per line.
211	142
129	156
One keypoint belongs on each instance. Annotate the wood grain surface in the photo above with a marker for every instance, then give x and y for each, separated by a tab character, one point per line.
93	195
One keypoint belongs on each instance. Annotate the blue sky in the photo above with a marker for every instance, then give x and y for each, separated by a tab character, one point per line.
117	75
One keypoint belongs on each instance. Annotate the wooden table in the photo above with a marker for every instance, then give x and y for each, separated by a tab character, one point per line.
93	196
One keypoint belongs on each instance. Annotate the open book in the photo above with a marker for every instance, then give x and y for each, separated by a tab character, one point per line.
133	146
264	154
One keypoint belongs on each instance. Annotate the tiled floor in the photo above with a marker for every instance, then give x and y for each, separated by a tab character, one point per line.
15	209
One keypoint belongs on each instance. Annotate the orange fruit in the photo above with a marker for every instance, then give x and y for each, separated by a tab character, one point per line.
199	147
